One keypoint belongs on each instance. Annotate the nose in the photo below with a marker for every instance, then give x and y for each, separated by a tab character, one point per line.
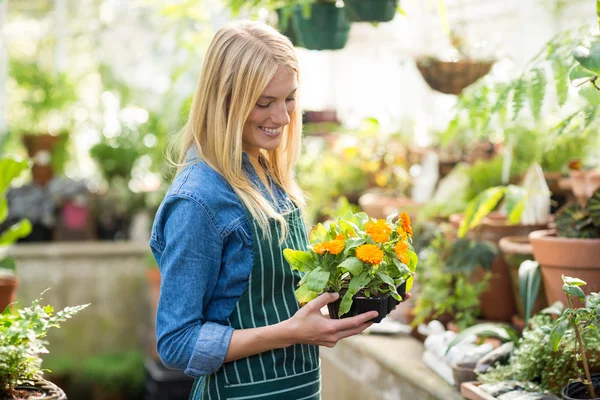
280	115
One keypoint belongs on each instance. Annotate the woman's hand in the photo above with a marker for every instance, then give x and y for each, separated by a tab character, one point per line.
309	326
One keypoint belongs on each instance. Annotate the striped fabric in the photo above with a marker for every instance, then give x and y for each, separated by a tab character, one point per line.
289	373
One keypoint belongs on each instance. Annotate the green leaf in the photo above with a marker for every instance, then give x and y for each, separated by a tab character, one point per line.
317	280
385	277
414	259
558	331
501	331
479	208
579	75
304	294
17	231
318	233
353	265
356	283
9	170
573	281
530	280
593	207
537	91
346	303
556	308
8	264
3	209
390	218
518	100
589	58
465	255
574	291
299	260
348	226
353	243
515	198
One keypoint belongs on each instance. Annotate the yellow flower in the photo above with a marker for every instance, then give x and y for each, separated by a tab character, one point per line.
401	250
406	223
340	236
403	235
319	248
369	253
378	230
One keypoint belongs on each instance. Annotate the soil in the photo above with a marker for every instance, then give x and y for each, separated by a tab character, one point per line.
17	394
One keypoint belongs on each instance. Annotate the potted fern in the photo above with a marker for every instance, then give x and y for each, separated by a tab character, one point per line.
21	343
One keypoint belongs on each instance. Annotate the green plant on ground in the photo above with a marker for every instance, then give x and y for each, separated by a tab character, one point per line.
22	341
579	320
9	170
533	361
115	372
444	291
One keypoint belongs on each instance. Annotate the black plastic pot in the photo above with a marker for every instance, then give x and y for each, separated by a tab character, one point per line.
371	10
577	390
392	302
362	305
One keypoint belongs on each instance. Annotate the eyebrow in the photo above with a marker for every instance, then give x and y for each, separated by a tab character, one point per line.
274	98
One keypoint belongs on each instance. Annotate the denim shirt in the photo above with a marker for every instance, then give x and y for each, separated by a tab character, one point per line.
202	242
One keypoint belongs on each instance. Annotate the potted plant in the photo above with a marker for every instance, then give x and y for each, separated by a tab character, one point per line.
115	376
367	261
573	248
9	170
321	25
34	203
40	116
21	341
584	386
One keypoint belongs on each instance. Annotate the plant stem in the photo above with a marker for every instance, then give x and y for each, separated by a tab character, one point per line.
586	368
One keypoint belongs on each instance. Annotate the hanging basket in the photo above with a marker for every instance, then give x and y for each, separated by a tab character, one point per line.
287	25
326	28
452	77
371	10
40	390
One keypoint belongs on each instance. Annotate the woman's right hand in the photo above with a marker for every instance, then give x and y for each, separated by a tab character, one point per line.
309	326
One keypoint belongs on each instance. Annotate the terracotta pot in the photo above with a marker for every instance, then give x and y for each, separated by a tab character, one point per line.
8	291
584	184
515	250
39	149
578	258
379	205
498	302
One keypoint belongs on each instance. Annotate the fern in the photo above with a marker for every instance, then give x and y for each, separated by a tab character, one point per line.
537	91
518	99
561	83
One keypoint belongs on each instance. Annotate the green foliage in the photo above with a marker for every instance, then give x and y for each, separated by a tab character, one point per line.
10	169
466	255
574	221
21	341
484	174
38	94
333	264
444	292
115	372
501	331
530	279
533	362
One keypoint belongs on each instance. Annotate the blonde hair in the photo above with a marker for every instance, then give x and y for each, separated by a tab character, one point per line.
241	60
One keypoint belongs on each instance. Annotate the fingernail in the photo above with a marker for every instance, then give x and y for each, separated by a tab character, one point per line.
336	296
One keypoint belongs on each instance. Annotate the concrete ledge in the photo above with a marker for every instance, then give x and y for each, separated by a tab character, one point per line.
377	367
67	249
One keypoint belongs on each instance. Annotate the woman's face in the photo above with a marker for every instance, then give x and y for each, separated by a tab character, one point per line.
264	126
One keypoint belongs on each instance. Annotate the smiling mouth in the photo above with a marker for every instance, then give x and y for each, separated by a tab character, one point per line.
270	131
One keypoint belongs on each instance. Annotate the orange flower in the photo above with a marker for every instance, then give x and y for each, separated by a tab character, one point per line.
401	249
369	253
336	246
319	248
378	230
406	223
403	235
340	236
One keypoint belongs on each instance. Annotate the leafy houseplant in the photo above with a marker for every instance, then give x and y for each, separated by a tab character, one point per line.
9	170
360	258
22	341
579	319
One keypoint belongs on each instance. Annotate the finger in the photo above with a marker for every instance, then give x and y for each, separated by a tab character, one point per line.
353	331
353	322
323	300
406	297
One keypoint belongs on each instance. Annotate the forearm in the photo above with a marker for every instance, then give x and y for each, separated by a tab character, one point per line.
248	342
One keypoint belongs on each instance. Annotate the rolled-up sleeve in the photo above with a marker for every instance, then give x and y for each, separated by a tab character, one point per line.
187	246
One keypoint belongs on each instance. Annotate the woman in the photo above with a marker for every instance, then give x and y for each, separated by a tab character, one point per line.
227	314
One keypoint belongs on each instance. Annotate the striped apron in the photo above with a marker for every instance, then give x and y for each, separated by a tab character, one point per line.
288	373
